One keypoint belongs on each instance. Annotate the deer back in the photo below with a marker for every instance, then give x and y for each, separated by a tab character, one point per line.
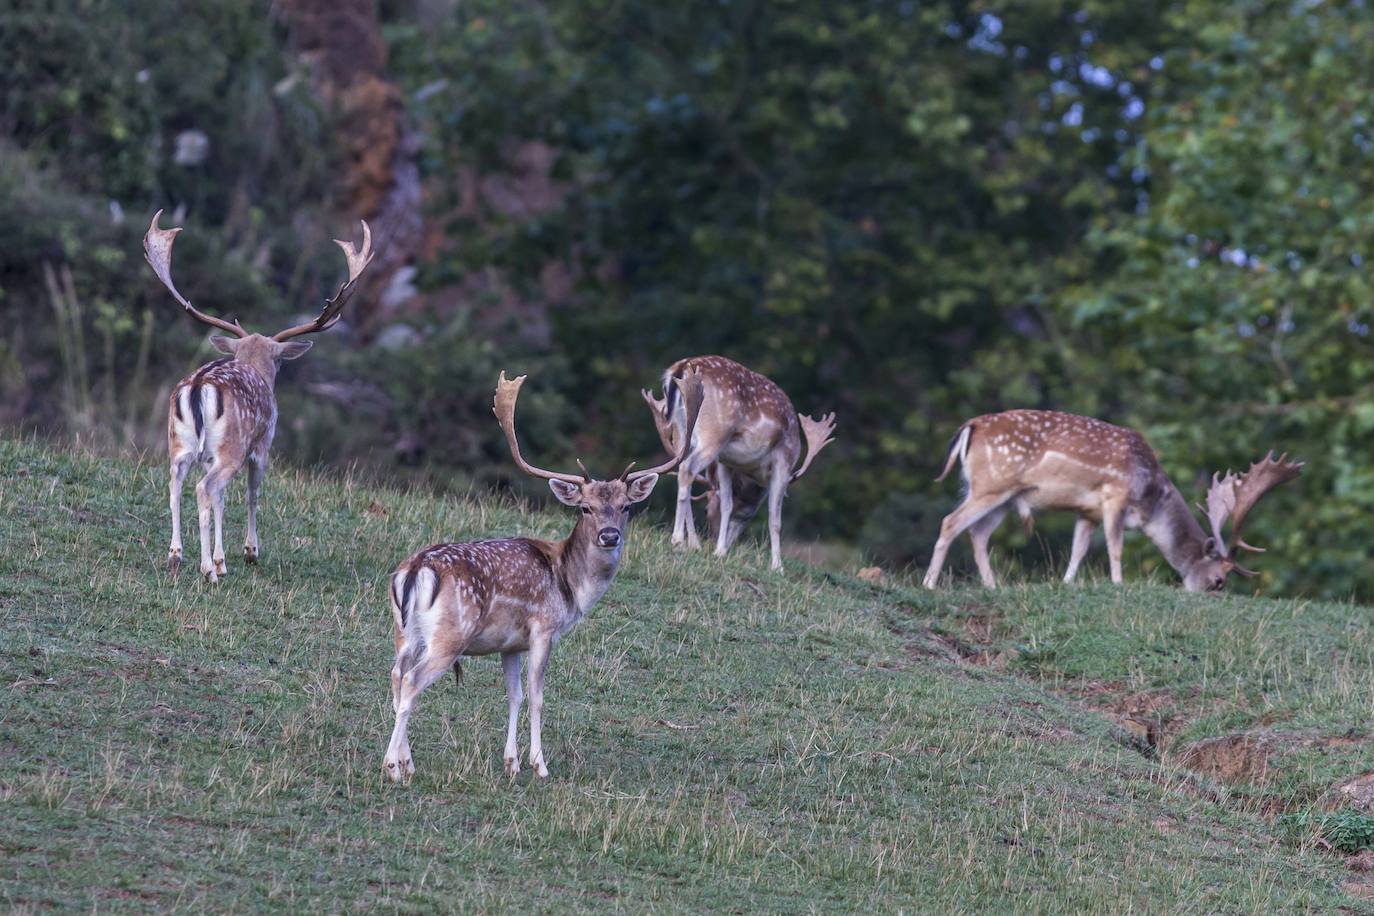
743	414
1055	453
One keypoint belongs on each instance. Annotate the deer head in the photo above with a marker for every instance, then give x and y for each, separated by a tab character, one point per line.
1232	497
604	504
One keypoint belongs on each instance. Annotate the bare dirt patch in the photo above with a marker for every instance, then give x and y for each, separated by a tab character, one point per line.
1250	757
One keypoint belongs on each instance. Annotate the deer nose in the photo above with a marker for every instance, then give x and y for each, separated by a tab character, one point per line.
608	537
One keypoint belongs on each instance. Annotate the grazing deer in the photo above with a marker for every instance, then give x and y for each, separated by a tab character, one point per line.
1042	459
751	433
513	595
225	413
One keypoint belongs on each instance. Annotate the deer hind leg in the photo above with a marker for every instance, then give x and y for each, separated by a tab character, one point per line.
510	667
1114	526
969	512
778	480
684	529
979	533
1082	539
256	472
415	676
726	506
181	465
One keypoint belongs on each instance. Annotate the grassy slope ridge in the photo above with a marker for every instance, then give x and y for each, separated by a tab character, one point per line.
717	737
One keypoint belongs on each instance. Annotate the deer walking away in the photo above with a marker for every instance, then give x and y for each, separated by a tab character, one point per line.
224	414
513	596
1109	476
746	444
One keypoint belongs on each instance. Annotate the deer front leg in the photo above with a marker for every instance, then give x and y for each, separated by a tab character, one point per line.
1082	540
510	667
181	464
540	647
725	494
250	538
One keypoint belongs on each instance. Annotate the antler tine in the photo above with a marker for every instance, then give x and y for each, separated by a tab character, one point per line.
358	259
1263	476
628	468
692	394
586	474
818	436
157	249
503	405
658	404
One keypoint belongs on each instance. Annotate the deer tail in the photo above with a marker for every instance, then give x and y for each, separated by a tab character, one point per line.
958	450
413	591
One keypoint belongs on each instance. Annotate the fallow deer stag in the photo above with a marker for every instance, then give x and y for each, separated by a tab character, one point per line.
1039	459
224	414
515	595
752	435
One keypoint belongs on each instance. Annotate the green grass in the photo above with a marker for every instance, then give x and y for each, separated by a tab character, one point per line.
719	738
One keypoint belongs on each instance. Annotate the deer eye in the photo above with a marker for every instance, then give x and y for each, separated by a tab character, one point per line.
586	510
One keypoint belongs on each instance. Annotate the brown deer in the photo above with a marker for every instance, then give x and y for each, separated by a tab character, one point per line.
224	414
1041	459
752	435
513	595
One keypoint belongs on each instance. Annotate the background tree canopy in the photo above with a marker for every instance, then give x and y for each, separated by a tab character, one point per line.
907	212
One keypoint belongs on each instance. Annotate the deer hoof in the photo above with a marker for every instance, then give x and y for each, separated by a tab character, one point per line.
541	770
220	568
512	766
174	562
400	770
209	575
250	555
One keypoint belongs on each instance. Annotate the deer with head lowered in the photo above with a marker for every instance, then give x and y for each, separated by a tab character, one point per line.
1108	475
746	444
512	596
224	414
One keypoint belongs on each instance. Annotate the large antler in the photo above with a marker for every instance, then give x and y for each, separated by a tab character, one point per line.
818	436
504	407
692	393
358	259
157	249
1234	497
662	422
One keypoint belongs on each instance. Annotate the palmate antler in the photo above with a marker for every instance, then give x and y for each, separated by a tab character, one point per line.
693	393
508	391
818	436
157	249
358	259
1233	497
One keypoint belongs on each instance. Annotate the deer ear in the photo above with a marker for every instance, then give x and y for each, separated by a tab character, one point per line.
640	488
295	349
569	494
224	345
1209	548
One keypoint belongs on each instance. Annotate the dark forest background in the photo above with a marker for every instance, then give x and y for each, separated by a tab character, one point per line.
906	212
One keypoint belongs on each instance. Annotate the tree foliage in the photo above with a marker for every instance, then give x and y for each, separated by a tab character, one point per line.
907	212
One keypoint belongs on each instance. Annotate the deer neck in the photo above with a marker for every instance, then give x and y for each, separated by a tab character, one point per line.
586	569
1176	532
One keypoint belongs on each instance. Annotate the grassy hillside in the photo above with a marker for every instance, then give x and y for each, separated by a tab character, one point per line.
718	737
